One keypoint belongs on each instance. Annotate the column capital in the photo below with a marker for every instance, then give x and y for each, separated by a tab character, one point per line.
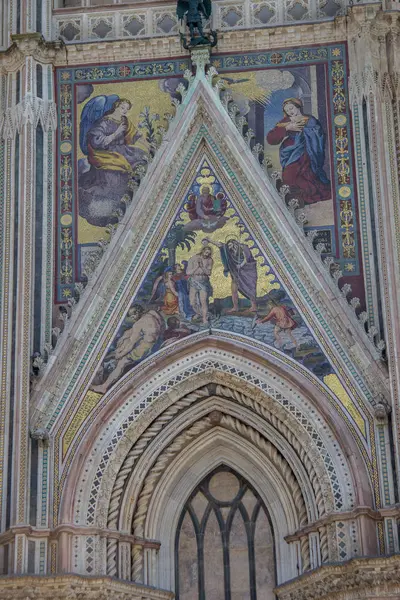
31	45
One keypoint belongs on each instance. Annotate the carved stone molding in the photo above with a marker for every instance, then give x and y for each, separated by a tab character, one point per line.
312	461
74	587
359	579
41	435
373	37
228	41
31	44
32	110
171	402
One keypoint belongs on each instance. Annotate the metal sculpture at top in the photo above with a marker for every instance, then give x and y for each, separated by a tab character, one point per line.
194	11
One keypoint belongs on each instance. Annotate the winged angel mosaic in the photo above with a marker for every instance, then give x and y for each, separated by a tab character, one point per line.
114	151
208	273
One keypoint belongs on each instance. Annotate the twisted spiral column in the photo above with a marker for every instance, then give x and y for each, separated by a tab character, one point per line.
137	563
178	444
162	462
305	553
275	457
151	480
112	547
323	544
324	499
137	450
130	460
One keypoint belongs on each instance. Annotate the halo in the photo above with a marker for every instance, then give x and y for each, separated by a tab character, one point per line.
231	237
296	101
209	186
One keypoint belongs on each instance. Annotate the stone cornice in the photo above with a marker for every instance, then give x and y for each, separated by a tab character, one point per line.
359	511
357	22
228	41
357	578
54	534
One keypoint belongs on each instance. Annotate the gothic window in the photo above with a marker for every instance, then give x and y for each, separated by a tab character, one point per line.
39	15
224	547
39	81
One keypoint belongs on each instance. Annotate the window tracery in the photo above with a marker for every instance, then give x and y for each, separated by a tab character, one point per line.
224	543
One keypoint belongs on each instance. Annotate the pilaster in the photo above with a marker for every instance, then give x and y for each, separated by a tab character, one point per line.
7	150
27	129
26	16
371	32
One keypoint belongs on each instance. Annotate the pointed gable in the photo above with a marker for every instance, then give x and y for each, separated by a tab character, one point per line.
209	273
287	301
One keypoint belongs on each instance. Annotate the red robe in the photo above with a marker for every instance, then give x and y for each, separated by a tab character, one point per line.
304	184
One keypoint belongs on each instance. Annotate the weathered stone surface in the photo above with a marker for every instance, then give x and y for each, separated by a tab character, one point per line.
75	587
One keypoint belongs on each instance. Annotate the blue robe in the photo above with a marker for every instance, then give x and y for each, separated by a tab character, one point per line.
312	141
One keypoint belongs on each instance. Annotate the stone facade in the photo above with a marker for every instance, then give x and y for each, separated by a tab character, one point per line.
103	450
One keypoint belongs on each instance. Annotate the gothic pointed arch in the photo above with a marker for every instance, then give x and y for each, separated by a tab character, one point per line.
199	311
208	409
240	560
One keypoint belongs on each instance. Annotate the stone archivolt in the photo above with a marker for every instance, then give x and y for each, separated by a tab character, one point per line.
295	427
310	458
214	419
216	416
127	493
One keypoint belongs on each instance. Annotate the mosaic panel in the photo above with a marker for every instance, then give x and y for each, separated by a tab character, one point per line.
294	100
109	117
208	273
365	452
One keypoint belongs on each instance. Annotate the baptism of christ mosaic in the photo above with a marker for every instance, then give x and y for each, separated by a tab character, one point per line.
295	101
208	273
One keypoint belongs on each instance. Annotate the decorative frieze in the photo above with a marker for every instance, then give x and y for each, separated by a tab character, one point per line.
32	110
75	587
156	19
30	45
356	579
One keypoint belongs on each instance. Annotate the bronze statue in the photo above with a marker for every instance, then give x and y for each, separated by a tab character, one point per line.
194	10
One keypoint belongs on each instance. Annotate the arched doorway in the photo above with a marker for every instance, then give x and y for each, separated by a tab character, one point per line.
224	547
163	441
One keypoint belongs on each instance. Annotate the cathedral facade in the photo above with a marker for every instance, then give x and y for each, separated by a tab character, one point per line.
199	300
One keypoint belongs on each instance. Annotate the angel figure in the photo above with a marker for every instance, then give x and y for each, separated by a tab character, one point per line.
109	141
194	9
